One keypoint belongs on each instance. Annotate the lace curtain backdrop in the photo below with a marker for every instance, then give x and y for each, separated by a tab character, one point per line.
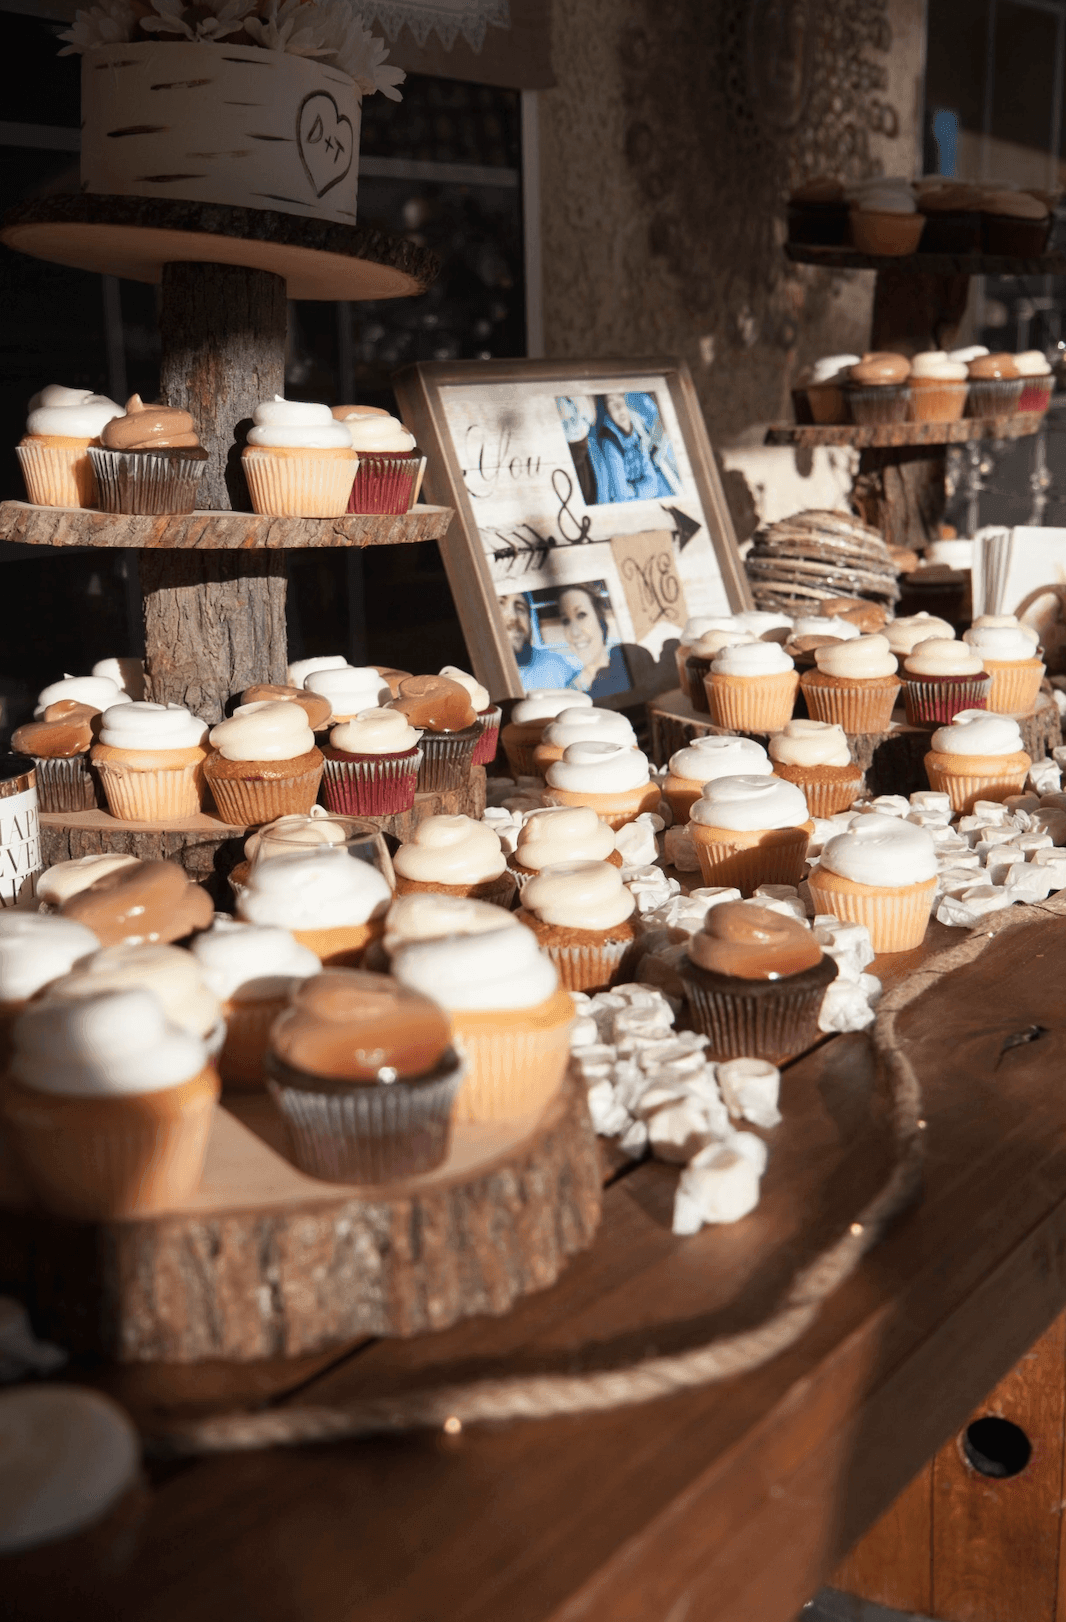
501	42
445	18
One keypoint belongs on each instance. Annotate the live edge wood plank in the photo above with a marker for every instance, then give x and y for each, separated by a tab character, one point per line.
228	531
863	435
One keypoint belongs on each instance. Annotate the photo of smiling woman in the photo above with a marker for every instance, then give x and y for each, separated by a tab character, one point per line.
578	622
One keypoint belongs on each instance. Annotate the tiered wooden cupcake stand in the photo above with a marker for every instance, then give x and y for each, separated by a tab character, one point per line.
264	1260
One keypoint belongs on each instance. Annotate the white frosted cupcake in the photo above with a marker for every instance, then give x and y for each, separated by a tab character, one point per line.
1009	654
299	461
881	872
264	764
702	654
150	760
694	628
170	973
331	902
252	971
529	717
828	625
54	451
749	831
457	856
942	677
613	779
350	689
561	833
489	715
390	463
939	386
705	759
752	687
815	756
35	949
582	916
765	624
297	673
371	765
855	684
978	757
430	915
904	635
579	726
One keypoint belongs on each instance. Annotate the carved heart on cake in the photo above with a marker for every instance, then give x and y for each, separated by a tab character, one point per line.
326	141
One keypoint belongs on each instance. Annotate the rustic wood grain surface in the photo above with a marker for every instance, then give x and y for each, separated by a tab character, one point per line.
225	531
905	433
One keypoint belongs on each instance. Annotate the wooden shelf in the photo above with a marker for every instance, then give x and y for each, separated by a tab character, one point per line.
134	237
1017	426
843	257
216	531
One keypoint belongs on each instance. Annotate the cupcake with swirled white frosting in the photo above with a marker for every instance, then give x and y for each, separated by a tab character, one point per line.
1009	654
749	831
150	760
702	654
252	970
614	779
942	677
332	902
854	684
561	833
264	764
529	718
390	463
752	687
815	755
54	451
978	757
578	726
1039	380
299	460
708	757
458	856
881	872
939	386
350	689
693	629
582	916
371	765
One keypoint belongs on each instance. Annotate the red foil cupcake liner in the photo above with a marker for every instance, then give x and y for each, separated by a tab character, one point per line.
1036	394
386	484
937	702
485	748
369	785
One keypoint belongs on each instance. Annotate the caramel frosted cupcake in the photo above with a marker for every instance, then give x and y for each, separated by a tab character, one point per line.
148	460
150	760
137	903
702	654
371	765
582	916
613	779
942	677
978	757
108	1106
365	1075
299	461
507	1011
704	760
755	981
264	765
749	831
489	715
995	386
815	756
578	726
441	710
1008	652
330	901
252	971
561	833
854	685
529	717
857	611
458	856
54	451
881	872
315	706
59	743
879	388
938	386
752	687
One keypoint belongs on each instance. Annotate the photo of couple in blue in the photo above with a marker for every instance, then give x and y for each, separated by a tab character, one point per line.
565	636
619	447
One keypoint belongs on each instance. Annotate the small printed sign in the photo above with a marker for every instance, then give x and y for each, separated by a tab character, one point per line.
20	844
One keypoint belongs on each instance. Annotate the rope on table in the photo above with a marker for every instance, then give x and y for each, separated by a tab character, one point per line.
549	1396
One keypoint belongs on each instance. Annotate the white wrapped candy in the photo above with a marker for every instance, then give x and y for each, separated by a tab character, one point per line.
750	1089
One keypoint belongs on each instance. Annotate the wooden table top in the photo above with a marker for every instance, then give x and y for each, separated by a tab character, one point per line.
732	1502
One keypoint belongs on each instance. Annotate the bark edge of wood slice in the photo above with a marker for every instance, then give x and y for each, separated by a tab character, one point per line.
216	531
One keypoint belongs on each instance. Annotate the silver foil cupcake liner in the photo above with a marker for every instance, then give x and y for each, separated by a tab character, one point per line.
446	759
67	784
146	481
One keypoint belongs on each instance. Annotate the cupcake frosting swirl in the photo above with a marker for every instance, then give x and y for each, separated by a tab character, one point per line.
939	367
297	425
97	692
905	634
149	428
939	657
36	948
105	1045
750	942
126	672
451	850
710	756
251	963
884	852
831	367
826	625
500	970
317	708
434	703
1032	363
993	367
312	832
563	833
1001	643
65	879
699	623
297	673
865	658
575	726
170	973
70	413
349	688
599	768
263	731
65	729
375	732
1001	622
979	732
579	895
151	726
326	889
752	659
712	642
745	804
428	915
811	743
545	703
380	436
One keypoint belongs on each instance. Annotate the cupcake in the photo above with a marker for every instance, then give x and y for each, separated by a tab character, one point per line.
127	673
904	635
252	971
393	677
508	1013
332	902
752	687
938	387
694	628
150	761
884	218
1014	223
702	654
316	706
289	836
578	726
297	673
582	916
1009	654
823	385
371	765
54	451
942	677
441	710
995	386
148	461
364	1072
952	218
978	757
264	764
97	693
835	627
879	389
458	856
63	880
561	833
348	689
749	831
612	778
815	756
1038	383
390	464
299	461
755	981
856	611
766	625
818	212
430	915
35	949
139	904
170	973
108	1106
59	743
489	715
529	717
855	684
881	872
704	760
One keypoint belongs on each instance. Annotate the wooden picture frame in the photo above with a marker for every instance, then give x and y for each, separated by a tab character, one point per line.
601	586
